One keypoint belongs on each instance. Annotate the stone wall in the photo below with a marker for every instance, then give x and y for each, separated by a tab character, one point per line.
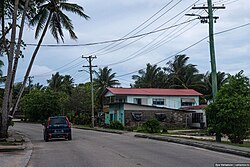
174	118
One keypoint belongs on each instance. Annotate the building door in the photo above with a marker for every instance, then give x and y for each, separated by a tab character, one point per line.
111	118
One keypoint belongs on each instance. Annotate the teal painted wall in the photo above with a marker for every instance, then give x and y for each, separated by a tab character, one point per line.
116	113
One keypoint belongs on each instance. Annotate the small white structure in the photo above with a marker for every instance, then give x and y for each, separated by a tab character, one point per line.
198	118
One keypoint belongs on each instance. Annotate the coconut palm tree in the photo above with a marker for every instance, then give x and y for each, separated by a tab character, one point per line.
104	78
10	55
152	77
61	83
184	75
50	15
221	80
55	83
67	84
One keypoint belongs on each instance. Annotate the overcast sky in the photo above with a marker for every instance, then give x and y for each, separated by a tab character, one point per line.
113	19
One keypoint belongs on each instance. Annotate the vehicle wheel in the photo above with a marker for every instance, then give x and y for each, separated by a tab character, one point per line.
46	139
70	137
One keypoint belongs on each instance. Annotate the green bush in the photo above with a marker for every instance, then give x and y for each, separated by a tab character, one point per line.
229	114
116	125
151	126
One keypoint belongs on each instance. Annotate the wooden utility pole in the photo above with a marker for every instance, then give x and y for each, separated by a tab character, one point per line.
90	59
210	19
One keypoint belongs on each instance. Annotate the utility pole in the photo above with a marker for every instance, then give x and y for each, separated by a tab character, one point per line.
210	19
90	59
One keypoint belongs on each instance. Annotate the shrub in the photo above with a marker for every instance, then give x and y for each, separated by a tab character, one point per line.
116	125
229	114
151	126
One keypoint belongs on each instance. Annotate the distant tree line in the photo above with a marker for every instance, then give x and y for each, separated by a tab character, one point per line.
178	74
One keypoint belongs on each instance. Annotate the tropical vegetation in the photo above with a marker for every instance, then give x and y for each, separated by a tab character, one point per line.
44	14
230	113
178	74
104	78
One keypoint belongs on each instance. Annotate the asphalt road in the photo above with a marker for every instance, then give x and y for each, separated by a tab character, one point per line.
98	149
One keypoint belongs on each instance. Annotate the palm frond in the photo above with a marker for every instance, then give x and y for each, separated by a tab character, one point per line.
41	22
67	24
56	28
74	8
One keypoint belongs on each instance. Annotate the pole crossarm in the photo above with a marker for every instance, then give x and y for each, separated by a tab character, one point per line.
210	19
206	7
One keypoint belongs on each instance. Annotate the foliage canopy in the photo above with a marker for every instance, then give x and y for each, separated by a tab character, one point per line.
230	113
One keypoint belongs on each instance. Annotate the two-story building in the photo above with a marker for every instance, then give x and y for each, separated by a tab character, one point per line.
131	106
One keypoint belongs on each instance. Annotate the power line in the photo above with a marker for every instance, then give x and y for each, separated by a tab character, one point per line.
217	33
137	53
167	28
139	32
134	29
110	41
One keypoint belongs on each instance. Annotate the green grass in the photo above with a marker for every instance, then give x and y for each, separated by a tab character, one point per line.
245	144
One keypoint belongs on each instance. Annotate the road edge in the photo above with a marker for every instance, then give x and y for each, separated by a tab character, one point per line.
194	143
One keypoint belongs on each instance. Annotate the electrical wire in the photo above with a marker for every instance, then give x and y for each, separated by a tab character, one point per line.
190	46
127	58
111	45
100	54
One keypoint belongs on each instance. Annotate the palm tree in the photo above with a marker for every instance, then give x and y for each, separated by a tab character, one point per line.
38	86
12	10
55	83
10	54
207	79
152	77
67	84
50	15
61	83
104	78
183	75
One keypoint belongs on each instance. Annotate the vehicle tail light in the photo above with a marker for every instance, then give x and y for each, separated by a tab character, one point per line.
48	123
69	125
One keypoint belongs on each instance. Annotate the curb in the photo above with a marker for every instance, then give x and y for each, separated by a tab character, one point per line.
29	148
208	146
18	159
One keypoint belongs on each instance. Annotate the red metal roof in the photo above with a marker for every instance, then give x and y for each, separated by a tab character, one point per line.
154	91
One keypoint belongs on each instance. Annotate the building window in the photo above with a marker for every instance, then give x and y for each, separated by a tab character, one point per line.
187	101
137	101
160	116
197	117
137	116
120	99
158	101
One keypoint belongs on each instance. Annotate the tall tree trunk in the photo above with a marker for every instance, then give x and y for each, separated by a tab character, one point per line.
3	38
5	107
18	52
30	66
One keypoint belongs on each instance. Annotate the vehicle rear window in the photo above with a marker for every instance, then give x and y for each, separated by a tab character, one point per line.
58	120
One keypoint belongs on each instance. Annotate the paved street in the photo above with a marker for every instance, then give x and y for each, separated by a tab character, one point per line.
98	149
